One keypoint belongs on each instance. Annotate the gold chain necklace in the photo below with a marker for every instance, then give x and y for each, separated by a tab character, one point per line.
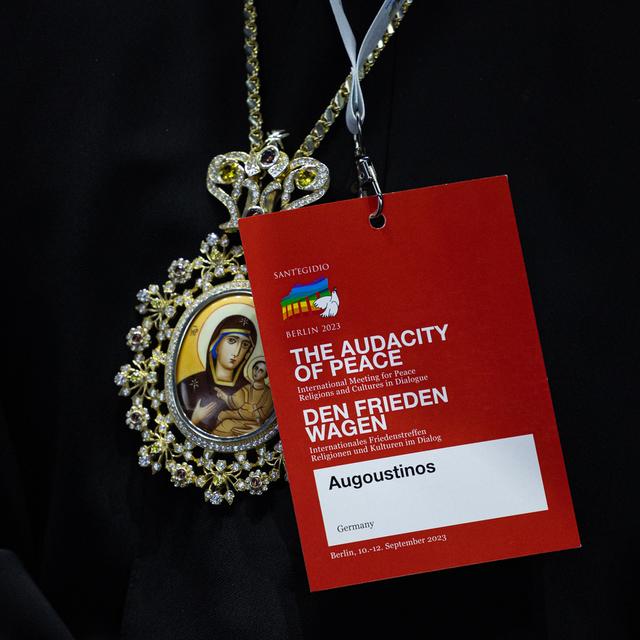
198	380
239	170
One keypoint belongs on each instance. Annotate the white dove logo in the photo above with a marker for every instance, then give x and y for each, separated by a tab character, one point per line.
329	304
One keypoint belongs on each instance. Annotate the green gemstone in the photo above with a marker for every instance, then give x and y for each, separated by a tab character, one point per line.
305	178
136	376
229	171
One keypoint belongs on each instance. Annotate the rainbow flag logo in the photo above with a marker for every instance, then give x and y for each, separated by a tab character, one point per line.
299	299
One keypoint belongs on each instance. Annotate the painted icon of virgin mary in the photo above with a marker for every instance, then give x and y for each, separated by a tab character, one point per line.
230	346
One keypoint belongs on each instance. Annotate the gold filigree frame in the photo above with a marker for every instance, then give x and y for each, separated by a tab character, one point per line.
221	467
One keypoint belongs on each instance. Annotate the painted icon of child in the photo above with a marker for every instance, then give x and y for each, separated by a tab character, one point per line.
249	407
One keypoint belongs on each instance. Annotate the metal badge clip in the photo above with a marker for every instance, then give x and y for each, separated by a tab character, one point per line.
367	177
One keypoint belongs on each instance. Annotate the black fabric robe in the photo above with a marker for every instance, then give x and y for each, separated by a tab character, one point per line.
112	112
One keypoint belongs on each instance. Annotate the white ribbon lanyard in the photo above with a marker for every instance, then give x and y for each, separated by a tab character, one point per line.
355	110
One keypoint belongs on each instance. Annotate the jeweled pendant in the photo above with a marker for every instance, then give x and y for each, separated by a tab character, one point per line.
198	381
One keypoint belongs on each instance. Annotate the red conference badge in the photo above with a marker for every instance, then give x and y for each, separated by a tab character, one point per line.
408	383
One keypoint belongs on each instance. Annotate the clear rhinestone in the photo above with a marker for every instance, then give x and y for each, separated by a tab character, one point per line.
144	461
215	498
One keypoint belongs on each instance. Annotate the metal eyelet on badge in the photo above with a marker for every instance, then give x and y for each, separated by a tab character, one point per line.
355	111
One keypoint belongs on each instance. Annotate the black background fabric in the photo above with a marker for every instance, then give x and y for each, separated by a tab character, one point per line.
112	112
